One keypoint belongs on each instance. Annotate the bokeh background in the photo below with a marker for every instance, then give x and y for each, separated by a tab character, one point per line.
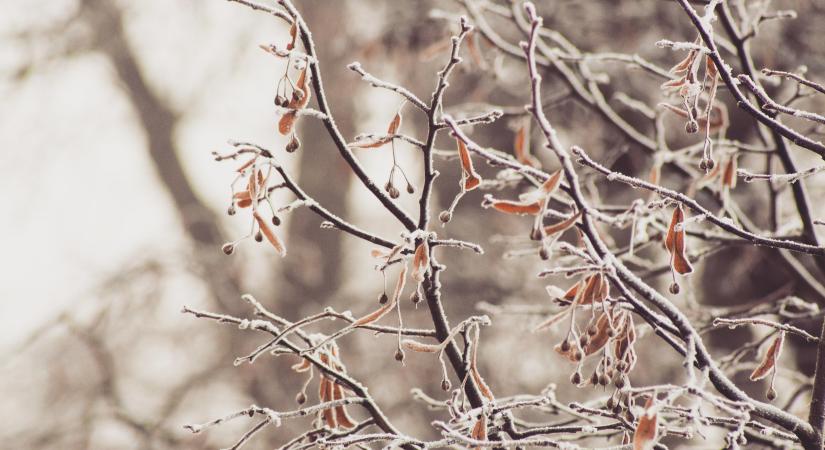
114	210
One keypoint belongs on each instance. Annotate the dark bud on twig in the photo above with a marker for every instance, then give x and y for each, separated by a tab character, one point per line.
293	143
674	288
258	236
228	248
445	385
301	398
383	299
399	355
445	216
276	220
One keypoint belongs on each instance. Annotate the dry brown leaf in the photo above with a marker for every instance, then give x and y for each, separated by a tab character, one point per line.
479	431
471	178
675	243
395	124
562	226
270	235
421	262
514	207
521	148
386	307
341	416
768	362
646	434
293	34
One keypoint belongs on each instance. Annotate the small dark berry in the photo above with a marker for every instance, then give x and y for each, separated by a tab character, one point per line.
228	248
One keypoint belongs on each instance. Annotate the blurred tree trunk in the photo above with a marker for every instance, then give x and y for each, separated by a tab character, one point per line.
315	271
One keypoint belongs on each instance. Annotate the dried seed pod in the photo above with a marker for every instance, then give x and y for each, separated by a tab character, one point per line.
583	340
410	188
604	380
384	298
594	379
228	248
276	220
301	398
445	216
394	193
674	288
231	210
415	297
259	236
293	143
691	126
771	394
281	101
565	345
445	385
576	378
399	355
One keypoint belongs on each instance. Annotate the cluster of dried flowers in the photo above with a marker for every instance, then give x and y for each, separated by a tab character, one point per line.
606	312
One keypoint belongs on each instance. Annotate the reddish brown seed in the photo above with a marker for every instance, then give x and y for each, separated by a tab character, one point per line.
301	398
445	385
445	216
399	355
228	248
